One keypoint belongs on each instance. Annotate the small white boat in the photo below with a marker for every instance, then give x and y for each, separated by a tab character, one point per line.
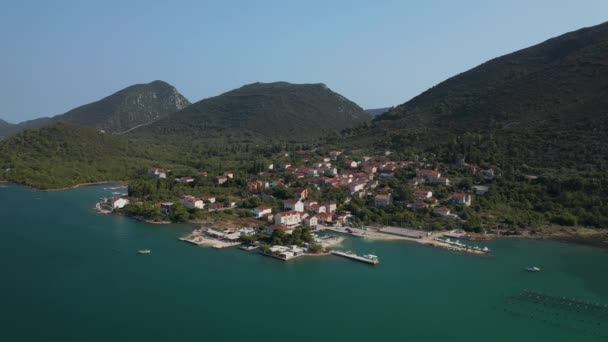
532	269
370	256
144	251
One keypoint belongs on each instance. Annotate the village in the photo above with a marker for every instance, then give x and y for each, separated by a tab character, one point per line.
324	193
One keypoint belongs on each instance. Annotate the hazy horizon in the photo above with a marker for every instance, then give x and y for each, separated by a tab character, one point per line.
60	55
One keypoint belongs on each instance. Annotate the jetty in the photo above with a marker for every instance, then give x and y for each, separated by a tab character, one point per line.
371	259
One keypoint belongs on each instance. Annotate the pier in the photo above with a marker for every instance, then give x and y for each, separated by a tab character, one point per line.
353	256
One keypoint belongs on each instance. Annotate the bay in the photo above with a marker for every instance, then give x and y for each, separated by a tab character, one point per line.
70	274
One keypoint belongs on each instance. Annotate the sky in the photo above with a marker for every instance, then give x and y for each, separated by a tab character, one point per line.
57	55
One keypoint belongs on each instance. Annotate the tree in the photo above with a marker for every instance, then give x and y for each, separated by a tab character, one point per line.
179	213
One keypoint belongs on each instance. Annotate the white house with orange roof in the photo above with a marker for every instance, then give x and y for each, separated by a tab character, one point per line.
293	204
261	211
191	202
288	218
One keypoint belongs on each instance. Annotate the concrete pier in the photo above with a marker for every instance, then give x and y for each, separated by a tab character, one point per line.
356	257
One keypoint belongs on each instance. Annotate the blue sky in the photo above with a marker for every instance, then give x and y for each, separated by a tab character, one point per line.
56	55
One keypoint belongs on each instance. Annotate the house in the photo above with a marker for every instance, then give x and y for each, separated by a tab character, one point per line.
221	179
488	174
338	218
257	185
357	186
119	202
288	218
317	208
480	190
275	184
308	203
293	204
203	173
441	211
419	206
311	221
330	171
191	202
300	193
261	211
460	198
429	175
157	173
443	180
229	174
210	199
216	206
184	180
246	231
324	217
421	194
351	163
382	200
166	207
370	169
330	207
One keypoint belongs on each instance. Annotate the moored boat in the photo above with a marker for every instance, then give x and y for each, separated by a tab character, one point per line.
144	251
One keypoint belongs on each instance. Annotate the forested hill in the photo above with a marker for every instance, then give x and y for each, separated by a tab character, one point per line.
544	106
64	154
263	110
9	129
129	107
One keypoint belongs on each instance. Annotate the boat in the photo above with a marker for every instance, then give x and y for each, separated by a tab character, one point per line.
370	257
532	269
144	251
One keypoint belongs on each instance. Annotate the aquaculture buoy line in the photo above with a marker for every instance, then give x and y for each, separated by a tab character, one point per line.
572	314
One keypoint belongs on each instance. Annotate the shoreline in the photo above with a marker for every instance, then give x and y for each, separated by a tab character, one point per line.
76	186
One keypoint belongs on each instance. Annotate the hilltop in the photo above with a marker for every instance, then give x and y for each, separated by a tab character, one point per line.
135	105
264	110
126	109
543	106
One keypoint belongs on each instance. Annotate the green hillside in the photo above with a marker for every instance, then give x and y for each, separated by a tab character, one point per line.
264	110
135	105
544	106
124	110
8	129
64	154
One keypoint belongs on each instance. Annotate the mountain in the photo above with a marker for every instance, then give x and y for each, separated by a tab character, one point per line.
124	110
11	129
133	106
543	106
378	111
264	110
4	124
64	154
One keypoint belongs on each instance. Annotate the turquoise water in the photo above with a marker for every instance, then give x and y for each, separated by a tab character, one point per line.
69	274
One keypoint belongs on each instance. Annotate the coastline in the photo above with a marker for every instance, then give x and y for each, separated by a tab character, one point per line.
76	186
80	185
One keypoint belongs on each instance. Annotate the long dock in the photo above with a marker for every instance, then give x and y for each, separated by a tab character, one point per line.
356	257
